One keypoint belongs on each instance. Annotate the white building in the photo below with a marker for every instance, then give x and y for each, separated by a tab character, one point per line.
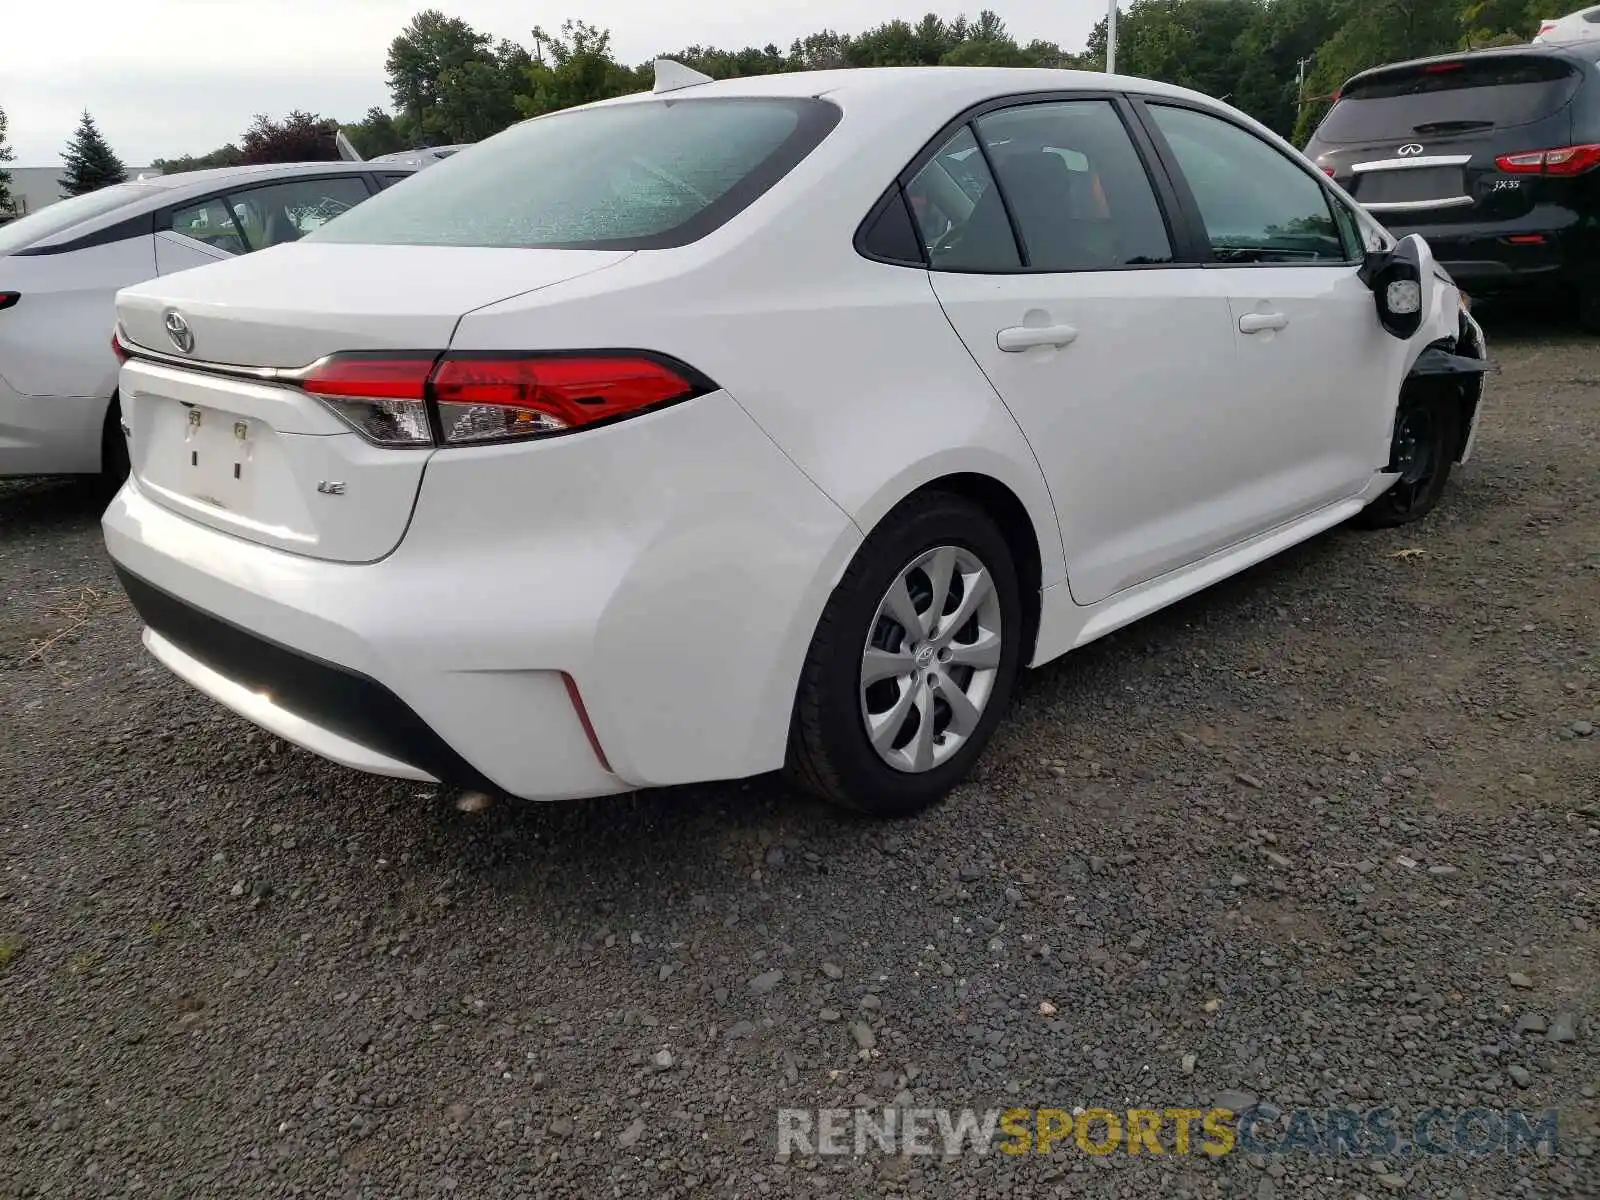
34	187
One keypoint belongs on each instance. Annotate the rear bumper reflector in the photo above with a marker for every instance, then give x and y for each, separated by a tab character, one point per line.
583	718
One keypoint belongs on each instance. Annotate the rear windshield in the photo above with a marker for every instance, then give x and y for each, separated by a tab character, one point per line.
1484	93
64	214
634	176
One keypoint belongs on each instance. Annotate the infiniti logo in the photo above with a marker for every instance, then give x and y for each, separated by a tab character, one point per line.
178	330
1410	148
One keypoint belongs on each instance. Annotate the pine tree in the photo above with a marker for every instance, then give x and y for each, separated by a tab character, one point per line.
7	204
90	163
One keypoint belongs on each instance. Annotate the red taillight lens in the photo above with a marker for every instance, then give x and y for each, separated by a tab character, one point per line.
8	299
1562	161
1328	171
490	398
117	347
387	397
1441	68
1526	239
383	397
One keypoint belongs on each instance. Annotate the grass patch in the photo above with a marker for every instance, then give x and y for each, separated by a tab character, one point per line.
11	947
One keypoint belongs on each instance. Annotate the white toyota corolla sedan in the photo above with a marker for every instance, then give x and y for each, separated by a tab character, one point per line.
767	422
61	267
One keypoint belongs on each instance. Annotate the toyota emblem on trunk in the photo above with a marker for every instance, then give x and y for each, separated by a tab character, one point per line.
178	330
1410	148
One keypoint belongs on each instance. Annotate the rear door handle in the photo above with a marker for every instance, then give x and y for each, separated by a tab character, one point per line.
1024	337
1257	322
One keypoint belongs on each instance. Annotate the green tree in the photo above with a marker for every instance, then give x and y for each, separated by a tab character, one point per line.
1371	33
574	68
427	64
376	134
8	204
478	98
89	161
223	156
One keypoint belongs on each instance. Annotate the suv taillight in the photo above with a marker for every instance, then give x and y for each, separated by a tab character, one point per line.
8	299
1564	160
401	399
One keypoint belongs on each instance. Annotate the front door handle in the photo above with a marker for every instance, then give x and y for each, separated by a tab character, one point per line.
1024	337
1257	322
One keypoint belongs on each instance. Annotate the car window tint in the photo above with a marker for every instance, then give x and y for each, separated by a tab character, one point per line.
958	210
1349	231
286	212
210	221
64	214
1403	102
1077	188
644	174
1257	205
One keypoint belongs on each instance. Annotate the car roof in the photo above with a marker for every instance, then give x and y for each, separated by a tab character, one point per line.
221	176
1576	51
959	86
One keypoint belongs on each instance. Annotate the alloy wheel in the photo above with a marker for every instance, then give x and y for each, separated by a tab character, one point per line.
932	654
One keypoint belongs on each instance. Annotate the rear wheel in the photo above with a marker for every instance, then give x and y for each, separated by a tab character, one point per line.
1427	432
1589	307
912	663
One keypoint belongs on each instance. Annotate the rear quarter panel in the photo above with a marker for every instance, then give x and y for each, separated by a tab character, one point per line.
57	340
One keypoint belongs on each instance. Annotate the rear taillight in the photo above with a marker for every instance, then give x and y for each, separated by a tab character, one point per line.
486	399
383	397
1328	171
400	399
9	300
118	348
1563	160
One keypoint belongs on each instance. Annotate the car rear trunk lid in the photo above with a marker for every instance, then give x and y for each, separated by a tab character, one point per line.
220	431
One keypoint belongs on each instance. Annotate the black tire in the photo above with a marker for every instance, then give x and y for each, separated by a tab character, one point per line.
1428	435
829	751
113	450
1589	307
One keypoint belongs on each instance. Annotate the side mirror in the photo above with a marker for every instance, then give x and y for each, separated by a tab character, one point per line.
1395	277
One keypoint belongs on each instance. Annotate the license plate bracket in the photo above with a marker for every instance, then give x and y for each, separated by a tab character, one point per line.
216	465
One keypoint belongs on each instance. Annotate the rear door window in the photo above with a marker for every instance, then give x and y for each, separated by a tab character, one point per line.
210	221
640	175
1078	191
287	211
1450	97
958	210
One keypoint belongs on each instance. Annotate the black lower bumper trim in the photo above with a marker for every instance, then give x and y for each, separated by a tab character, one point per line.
342	701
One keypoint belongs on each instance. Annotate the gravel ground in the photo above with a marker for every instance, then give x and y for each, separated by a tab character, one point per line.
1327	835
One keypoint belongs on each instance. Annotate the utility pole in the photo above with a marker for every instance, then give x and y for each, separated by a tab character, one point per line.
1300	83
1111	37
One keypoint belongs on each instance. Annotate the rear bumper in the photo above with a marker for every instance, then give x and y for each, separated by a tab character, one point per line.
337	712
1503	257
672	568
49	435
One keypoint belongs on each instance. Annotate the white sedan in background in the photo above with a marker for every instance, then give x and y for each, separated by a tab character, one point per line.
61	266
766	422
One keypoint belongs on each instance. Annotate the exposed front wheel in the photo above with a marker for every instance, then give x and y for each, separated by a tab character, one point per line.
912	663
1427	432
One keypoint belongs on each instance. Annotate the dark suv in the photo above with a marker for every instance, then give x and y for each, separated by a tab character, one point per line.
1492	156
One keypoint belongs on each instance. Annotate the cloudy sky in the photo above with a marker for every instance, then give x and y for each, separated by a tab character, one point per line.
168	77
